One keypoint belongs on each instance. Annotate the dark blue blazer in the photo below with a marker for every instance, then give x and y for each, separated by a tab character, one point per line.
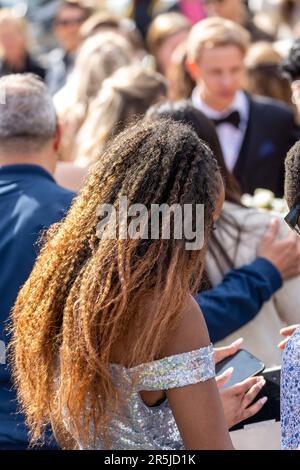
30	201
270	133
238	298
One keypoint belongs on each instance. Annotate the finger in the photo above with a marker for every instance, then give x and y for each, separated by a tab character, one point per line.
226	351
255	408
234	347
222	379
290	240
242	388
288	330
292	236
282	344
272	230
253	392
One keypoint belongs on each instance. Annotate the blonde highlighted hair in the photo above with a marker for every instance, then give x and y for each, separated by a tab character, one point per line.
85	295
128	93
99	57
214	32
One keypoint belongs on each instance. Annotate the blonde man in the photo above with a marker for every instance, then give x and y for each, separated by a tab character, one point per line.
255	133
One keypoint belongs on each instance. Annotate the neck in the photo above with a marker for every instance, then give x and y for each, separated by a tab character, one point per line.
71	48
212	103
16	61
46	162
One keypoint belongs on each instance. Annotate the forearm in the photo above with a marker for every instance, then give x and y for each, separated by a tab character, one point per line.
239	298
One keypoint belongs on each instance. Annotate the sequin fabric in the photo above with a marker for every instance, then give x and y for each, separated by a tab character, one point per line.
290	393
143	427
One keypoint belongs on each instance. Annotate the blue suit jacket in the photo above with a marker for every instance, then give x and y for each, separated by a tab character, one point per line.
239	297
30	201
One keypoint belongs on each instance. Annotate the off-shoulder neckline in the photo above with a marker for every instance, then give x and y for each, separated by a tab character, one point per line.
206	349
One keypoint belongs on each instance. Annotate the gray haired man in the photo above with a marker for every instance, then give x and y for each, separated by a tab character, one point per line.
30	201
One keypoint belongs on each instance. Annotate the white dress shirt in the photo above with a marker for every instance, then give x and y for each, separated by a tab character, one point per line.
230	137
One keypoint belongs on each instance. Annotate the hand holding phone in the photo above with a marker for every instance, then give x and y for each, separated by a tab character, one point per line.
271	390
240	400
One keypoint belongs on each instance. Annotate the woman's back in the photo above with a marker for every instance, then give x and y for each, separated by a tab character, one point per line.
140	426
86	294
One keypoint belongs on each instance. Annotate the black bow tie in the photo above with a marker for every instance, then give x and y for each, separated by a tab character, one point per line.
232	118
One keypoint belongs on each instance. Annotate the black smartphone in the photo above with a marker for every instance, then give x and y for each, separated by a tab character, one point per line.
244	364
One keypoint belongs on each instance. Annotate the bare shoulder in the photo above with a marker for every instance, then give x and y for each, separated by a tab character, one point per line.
191	332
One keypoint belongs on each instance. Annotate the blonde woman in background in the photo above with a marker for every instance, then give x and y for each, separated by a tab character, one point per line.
15	44
124	96
127	94
180	83
97	60
165	33
105	21
263	73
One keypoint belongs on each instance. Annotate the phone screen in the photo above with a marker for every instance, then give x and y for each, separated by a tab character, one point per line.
245	365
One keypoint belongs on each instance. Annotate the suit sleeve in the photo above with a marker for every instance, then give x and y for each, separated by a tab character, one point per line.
239	298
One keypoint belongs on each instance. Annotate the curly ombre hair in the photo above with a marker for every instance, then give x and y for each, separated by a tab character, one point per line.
86	295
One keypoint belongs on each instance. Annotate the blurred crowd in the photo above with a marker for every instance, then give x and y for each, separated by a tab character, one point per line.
75	80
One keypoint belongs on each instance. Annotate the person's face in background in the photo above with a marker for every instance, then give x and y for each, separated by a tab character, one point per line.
67	25
165	51
13	41
219	74
234	10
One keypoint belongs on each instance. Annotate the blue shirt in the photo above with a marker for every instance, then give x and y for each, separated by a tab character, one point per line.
30	201
239	297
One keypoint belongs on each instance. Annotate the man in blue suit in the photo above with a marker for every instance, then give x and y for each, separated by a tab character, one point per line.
30	201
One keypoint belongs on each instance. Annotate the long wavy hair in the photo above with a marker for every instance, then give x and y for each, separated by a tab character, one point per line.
183	111
124	96
99	57
86	295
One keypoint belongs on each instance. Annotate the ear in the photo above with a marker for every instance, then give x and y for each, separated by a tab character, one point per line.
193	70
57	137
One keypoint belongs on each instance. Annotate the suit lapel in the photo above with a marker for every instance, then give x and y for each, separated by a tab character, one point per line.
245	147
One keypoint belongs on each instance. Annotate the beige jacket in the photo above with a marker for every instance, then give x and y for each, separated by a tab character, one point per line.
261	335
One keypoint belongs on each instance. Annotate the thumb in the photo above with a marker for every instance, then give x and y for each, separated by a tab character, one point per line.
272	230
222	379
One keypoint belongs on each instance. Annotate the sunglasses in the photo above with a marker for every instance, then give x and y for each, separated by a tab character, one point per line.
292	218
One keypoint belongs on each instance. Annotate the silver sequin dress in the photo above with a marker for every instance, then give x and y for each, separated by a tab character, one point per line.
290	393
143	427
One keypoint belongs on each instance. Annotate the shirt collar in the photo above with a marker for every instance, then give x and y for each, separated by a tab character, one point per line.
240	104
24	170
